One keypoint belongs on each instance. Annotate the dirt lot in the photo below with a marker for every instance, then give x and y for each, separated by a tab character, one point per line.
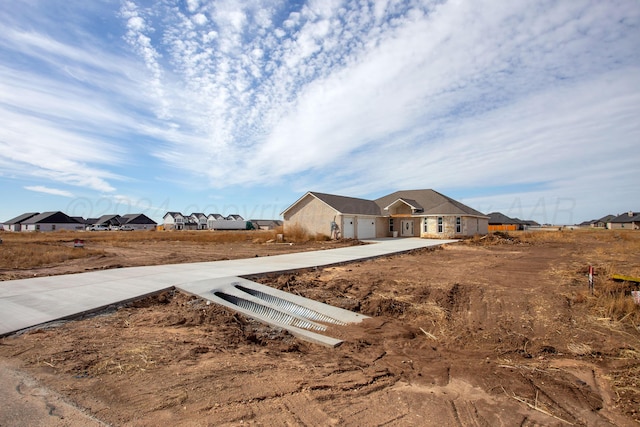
494	331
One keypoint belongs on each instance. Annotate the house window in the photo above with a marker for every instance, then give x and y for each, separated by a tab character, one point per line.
458	225
440	225
391	224
37	227
425	226
53	227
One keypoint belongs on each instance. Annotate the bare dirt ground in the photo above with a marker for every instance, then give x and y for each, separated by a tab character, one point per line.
498	331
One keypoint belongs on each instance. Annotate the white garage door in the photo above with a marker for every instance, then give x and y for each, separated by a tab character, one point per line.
348	230
366	228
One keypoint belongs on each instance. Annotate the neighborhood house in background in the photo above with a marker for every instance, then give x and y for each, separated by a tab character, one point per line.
53	221
409	213
626	221
200	221
500	222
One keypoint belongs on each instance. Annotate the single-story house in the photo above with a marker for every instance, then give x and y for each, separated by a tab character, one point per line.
138	221
266	224
603	222
424	213
51	221
81	220
500	222
528	223
109	221
15	224
597	223
626	221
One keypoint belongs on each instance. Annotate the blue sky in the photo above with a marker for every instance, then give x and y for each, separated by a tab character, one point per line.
531	108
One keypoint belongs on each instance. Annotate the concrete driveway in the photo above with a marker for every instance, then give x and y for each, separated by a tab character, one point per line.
26	303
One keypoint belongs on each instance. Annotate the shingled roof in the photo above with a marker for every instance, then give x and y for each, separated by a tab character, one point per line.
627	218
56	217
20	218
348	205
431	201
500	218
425	202
137	219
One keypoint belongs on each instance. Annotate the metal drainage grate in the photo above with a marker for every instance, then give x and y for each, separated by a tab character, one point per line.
289	306
271	313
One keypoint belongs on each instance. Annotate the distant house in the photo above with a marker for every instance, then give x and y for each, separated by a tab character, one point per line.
199	221
626	221
15	224
51	221
109	221
597	223
138	222
603	222
528	223
423	213
81	220
500	222
173	221
265	224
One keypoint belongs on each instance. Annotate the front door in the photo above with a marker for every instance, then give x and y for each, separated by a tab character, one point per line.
407	227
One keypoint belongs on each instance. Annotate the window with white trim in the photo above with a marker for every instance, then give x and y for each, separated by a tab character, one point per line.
391	225
425	225
458	225
440	224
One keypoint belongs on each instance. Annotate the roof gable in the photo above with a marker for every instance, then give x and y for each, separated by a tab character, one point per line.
415	206
137	219
432	202
173	215
111	219
56	217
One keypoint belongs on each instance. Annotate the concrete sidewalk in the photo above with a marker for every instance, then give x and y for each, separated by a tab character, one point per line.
29	302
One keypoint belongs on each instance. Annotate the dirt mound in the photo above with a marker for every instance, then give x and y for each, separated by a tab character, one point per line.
494	238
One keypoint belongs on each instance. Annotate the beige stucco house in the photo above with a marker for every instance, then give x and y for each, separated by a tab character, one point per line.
409	213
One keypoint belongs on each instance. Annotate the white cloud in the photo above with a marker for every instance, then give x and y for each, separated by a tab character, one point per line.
200	19
47	190
338	95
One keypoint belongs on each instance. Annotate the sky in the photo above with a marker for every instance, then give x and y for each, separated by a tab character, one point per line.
530	108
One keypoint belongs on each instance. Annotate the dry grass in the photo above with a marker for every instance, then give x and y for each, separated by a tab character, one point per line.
296	233
119	237
25	255
20	251
610	252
